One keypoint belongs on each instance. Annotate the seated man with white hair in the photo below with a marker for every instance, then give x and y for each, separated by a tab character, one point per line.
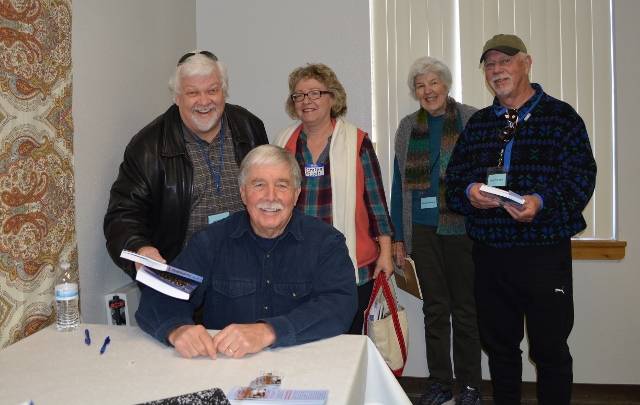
272	275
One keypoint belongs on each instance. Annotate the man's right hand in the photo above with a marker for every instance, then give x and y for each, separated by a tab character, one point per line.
482	200
192	341
150	252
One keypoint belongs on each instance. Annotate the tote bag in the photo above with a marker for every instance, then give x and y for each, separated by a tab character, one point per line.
390	332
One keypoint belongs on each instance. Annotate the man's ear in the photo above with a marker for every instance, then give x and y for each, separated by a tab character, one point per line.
242	195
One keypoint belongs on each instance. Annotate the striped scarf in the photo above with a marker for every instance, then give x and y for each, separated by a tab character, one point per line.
418	165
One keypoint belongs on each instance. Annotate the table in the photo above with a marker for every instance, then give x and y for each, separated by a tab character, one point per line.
52	367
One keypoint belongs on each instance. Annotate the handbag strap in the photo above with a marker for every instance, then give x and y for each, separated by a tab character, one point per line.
382	282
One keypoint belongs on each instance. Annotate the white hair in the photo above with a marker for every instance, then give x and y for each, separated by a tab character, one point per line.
425	65
270	155
198	65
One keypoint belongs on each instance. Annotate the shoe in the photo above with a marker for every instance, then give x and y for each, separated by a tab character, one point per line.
468	396
436	394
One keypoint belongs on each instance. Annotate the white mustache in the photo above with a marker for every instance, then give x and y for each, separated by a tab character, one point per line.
502	76
270	206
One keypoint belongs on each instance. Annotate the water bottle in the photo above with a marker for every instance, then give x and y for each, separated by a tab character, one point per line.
66	293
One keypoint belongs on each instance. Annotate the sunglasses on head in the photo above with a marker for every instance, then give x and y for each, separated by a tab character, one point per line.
190	54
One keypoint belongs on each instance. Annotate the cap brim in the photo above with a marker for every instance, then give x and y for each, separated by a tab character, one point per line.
504	49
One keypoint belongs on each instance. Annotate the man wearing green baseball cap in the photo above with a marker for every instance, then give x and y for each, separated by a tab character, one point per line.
532	144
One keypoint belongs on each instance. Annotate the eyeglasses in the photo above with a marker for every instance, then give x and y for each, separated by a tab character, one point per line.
501	62
509	131
190	54
313	95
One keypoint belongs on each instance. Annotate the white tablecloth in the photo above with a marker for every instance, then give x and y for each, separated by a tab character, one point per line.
52	367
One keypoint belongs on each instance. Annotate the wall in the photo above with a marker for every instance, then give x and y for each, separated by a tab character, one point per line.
605	338
123	53
261	42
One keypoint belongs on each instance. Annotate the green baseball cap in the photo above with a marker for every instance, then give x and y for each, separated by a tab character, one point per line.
505	43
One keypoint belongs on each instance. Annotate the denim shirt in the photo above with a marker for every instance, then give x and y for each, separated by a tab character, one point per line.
303	285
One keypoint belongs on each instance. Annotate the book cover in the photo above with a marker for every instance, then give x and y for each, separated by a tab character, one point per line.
164	278
214	396
506	196
272	396
154	264
407	278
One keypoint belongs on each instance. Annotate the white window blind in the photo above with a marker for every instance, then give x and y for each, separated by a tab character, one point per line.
570	42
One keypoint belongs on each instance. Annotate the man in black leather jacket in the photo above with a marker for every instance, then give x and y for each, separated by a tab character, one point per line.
180	171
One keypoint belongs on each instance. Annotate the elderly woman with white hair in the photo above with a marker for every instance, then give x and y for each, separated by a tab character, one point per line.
434	236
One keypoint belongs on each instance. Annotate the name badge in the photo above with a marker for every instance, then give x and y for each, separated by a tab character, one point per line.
496	177
218	217
428	202
497	180
313	170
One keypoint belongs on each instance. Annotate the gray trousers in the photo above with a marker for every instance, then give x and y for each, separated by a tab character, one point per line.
446	273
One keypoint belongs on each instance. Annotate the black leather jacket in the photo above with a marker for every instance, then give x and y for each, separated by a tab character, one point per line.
151	198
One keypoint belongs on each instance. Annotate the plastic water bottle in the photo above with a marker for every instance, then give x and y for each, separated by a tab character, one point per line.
66	292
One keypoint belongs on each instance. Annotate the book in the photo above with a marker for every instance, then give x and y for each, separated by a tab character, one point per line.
268	395
407	278
214	396
162	277
506	196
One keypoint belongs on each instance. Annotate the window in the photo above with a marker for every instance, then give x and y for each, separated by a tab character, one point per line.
571	46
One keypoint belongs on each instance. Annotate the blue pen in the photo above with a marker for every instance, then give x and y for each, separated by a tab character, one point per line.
107	340
87	338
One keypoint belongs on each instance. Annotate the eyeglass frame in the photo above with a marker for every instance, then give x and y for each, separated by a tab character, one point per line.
187	55
501	62
302	95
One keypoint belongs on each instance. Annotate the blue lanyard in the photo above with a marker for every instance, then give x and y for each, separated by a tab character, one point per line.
216	176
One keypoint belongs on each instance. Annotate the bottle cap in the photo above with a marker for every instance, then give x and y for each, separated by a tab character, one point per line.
66	291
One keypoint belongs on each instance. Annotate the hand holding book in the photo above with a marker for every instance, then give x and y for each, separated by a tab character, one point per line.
503	195
150	252
162	277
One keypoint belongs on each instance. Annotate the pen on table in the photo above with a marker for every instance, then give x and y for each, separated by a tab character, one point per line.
107	340
87	337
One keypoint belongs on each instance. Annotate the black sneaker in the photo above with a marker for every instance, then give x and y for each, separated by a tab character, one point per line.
468	396
437	394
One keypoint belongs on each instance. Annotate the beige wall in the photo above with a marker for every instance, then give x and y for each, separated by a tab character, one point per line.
123	53
605	338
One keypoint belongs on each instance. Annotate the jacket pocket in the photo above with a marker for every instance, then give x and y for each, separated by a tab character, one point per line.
234	288
288	296
292	290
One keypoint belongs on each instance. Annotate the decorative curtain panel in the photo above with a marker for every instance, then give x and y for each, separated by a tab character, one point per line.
37	214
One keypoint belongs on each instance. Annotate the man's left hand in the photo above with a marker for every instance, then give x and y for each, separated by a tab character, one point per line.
238	340
526	212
